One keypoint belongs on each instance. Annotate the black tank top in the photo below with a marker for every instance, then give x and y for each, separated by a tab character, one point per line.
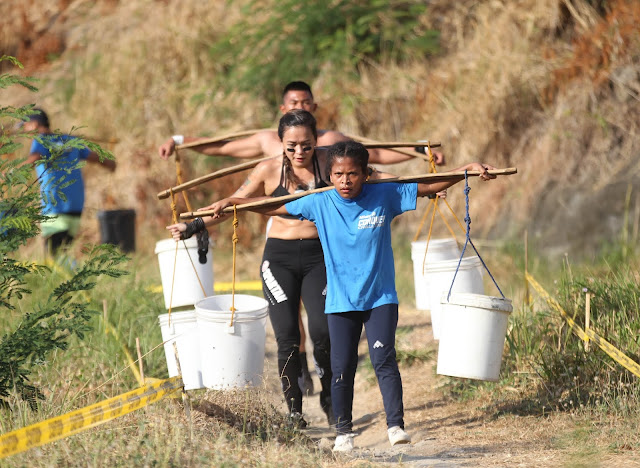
281	189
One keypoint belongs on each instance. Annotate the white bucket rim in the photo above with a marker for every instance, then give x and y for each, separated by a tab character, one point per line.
480	301
435	243
169	245
449	265
258	311
183	316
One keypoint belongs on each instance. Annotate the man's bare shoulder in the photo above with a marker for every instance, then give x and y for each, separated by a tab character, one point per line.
329	137
270	142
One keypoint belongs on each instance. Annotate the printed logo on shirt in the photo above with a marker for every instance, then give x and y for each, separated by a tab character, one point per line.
377	344
272	284
370	221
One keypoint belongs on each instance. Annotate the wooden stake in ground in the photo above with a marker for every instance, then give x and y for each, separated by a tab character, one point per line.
426	178
139	359
587	318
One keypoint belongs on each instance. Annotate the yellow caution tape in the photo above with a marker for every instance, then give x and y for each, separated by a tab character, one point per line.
222	286
240	286
617	355
85	418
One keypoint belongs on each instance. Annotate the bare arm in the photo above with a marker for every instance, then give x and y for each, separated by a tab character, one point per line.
108	163
253	185
429	189
261	143
376	155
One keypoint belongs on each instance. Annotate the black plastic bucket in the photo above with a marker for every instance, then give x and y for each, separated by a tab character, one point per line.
118	227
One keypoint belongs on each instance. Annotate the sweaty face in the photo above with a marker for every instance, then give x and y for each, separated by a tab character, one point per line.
298	144
347	177
298	100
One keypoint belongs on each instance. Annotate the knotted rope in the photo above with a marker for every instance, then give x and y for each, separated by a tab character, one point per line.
434	204
467	220
233	272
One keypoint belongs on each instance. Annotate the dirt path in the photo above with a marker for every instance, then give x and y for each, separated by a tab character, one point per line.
445	432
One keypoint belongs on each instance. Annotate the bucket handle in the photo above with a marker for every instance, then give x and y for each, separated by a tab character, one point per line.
468	240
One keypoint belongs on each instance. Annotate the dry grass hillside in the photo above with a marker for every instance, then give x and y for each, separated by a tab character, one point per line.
548	86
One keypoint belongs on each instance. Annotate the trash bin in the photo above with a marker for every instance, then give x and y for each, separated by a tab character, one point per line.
118	227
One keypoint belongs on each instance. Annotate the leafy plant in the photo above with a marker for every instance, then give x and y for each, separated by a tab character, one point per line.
281	41
65	313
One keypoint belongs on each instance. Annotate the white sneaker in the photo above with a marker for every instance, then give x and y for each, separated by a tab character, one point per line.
344	443
398	436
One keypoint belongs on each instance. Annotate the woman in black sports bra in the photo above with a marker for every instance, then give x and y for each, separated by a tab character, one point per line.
292	265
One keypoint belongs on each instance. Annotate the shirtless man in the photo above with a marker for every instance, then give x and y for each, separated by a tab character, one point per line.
296	95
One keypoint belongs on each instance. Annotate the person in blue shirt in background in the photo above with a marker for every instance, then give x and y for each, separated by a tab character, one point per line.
354	226
60	178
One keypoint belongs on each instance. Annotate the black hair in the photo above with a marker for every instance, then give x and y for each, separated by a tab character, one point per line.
347	149
39	116
297	118
297	86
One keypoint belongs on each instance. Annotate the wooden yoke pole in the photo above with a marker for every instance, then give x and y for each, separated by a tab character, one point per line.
214	175
400	144
228	136
413	154
422	178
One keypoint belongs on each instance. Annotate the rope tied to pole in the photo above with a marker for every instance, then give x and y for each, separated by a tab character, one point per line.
467	220
234	240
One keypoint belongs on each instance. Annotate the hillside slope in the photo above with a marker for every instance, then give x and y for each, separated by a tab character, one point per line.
551	87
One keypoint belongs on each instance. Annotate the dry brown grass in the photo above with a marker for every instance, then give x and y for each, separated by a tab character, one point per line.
515	85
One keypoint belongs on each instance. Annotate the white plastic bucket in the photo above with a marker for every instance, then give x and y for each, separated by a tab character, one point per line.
186	288
438	250
232	356
182	329
439	277
474	327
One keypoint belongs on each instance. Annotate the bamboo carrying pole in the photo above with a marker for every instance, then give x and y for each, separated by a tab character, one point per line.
228	136
413	154
248	165
426	178
214	175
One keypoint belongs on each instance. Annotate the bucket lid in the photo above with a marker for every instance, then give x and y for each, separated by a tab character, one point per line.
170	244
480	301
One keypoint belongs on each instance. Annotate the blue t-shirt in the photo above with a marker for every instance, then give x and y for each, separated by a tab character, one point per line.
50	179
356	239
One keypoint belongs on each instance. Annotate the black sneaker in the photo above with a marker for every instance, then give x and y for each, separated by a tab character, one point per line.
296	420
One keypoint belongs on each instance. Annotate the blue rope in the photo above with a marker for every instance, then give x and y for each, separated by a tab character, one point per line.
467	220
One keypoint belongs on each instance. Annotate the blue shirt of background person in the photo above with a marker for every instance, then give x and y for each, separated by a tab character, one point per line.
65	170
358	233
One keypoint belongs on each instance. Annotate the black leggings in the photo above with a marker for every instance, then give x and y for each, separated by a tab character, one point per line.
54	242
294	269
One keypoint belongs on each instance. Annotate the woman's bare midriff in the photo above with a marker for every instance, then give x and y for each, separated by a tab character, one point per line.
290	229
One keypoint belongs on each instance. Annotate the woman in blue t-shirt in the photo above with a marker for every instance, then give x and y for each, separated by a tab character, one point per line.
354	226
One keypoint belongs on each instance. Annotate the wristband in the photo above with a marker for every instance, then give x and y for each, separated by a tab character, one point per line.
431	196
178	139
197	225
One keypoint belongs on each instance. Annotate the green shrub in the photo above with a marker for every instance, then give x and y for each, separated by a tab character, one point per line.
50	323
287	40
